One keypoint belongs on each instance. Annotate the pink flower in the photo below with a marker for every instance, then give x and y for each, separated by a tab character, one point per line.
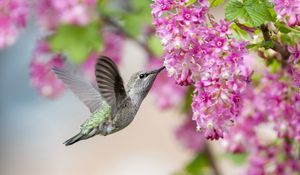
276	159
295	53
223	27
197	53
41	75
275	103
51	13
13	15
290	8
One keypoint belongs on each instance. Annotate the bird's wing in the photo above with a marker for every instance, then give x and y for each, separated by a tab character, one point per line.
86	92
109	81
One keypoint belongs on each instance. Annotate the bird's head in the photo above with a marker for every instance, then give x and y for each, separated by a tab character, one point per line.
141	82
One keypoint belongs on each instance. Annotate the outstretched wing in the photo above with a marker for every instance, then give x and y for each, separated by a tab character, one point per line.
86	92
109	81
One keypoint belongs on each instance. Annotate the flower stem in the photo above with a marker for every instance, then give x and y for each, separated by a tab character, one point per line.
211	159
114	24
281	49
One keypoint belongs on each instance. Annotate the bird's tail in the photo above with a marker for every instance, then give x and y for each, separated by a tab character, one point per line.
74	139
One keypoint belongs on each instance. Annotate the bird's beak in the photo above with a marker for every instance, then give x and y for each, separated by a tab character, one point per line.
156	71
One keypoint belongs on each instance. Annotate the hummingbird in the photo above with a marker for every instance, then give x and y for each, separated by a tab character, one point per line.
112	106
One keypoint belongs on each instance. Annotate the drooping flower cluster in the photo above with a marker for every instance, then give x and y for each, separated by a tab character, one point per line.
42	77
288	10
51	13
278	158
286	114
13	16
201	52
166	93
274	108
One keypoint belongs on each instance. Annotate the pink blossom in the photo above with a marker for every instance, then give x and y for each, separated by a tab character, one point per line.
295	53
275	102
274	159
41	75
290	8
13	16
200	52
51	13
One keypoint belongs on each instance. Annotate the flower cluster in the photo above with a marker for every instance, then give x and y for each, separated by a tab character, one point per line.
272	108
51	13
201	52
42	77
279	159
288	10
13	15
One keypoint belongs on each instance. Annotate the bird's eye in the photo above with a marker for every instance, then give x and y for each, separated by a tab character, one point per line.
141	76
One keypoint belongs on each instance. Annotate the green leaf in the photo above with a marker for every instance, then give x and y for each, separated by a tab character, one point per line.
274	66
190	2
282	27
254	12
76	41
237	158
155	45
256	78
238	33
265	44
197	165
140	5
286	39
133	25
134	21
188	100
215	3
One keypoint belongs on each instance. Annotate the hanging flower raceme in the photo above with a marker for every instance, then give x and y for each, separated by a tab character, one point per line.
288	10
51	13
268	127
13	15
41	75
279	159
201	52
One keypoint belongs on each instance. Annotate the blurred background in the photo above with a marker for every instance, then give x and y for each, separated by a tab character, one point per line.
33	128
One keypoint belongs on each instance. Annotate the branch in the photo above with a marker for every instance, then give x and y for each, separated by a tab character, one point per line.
211	159
111	22
281	49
